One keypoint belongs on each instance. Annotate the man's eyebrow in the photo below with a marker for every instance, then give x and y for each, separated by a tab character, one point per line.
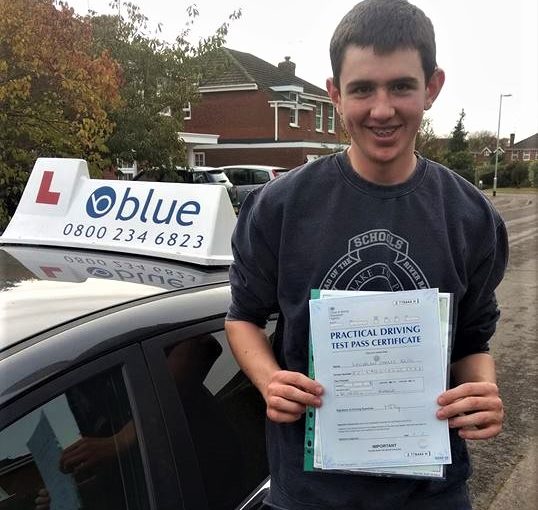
410	80
360	83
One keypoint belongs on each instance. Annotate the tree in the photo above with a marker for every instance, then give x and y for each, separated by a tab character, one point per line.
481	139
458	138
427	142
458	157
55	94
160	79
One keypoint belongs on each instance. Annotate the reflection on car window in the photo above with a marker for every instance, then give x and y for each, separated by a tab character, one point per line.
240	177
260	177
79	448
226	418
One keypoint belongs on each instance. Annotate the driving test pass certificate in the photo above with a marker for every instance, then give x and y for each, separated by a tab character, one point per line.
380	360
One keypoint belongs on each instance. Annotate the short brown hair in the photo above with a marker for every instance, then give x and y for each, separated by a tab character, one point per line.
385	25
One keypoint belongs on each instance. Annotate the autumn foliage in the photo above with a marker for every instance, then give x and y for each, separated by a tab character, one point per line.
54	94
97	87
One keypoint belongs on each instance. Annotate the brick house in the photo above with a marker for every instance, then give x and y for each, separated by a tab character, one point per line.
259	113
524	150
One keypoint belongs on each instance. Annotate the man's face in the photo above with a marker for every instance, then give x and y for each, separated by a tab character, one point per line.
381	101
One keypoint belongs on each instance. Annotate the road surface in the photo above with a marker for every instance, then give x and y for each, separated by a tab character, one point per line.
505	469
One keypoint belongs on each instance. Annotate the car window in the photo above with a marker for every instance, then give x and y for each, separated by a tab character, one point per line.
239	176
79	449
260	177
216	176
199	178
225	415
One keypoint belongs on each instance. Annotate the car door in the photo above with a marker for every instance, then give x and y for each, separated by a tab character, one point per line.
211	408
91	438
241	178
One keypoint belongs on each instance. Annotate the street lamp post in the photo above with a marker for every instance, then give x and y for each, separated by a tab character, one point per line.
497	149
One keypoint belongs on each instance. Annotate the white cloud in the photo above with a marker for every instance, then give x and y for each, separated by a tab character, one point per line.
486	47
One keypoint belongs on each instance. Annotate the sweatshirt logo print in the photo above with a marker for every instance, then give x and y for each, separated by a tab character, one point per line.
376	260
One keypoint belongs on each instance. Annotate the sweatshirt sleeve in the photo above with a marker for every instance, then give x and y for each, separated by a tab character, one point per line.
253	273
478	312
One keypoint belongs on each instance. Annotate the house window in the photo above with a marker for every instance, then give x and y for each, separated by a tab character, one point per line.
514	156
294	112
187	112
526	155
319	116
199	159
166	112
330	119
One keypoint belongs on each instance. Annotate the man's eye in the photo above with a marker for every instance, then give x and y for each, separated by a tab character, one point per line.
362	90
401	87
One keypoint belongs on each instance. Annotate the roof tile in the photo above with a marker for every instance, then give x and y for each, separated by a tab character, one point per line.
240	68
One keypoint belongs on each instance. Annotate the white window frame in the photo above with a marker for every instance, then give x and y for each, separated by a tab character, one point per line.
514	156
526	155
199	159
330	119
166	112
319	117
294	111
187	112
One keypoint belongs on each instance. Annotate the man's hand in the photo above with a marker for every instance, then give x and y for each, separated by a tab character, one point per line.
475	408
288	393
86	453
42	501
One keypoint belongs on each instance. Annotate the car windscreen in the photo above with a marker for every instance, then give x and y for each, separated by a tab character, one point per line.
216	176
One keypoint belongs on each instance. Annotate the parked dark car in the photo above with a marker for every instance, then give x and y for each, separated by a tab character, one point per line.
249	177
195	175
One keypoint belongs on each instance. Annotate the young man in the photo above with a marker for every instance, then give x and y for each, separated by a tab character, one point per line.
375	217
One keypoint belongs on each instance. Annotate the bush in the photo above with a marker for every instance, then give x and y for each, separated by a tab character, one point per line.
533	174
12	182
517	173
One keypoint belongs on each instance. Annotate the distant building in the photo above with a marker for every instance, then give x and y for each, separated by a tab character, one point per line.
260	114
524	150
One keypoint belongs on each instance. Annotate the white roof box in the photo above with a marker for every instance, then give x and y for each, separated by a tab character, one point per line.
62	206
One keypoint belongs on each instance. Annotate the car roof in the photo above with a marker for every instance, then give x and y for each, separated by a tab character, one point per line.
254	167
42	287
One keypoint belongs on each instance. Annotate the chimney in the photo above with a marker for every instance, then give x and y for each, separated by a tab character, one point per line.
287	66
512	138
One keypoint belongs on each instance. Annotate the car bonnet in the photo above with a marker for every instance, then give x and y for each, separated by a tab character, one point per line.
43	287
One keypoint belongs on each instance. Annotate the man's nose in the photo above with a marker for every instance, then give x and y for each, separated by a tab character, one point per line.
382	108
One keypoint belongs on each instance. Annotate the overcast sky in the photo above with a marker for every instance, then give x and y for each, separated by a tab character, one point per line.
486	47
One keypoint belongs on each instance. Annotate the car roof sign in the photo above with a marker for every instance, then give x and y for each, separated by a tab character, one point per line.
62	206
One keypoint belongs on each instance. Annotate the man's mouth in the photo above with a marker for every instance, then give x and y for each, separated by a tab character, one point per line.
384	132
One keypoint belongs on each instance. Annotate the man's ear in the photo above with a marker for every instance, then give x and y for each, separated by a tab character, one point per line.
334	94
434	87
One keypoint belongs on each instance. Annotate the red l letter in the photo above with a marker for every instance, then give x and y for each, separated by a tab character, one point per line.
50	271
44	195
